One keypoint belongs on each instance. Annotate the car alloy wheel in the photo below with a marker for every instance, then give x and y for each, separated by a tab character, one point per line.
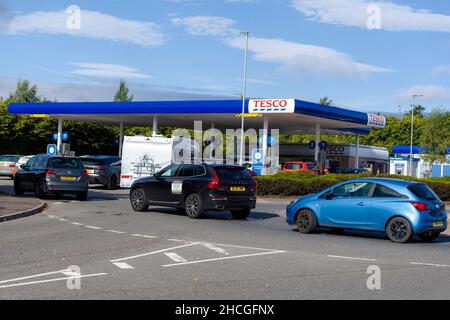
306	221
399	230
138	201
193	206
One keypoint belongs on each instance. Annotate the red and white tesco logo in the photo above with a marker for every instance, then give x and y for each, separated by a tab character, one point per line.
270	103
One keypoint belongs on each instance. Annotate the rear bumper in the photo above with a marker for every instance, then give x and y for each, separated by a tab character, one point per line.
66	187
98	179
222	203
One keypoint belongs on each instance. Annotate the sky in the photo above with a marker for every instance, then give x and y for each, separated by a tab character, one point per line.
364	55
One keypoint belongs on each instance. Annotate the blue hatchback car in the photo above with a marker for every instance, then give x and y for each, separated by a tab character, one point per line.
400	208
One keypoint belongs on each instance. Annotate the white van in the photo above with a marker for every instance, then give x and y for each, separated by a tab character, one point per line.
144	156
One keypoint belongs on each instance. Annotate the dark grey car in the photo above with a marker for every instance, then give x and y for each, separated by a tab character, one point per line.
103	170
57	175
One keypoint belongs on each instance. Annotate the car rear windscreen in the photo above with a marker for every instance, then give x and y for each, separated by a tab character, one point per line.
65	163
292	166
92	161
9	158
423	191
232	173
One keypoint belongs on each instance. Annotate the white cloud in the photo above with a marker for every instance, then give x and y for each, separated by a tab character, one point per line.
442	70
94	25
394	17
206	25
298	57
103	70
431	93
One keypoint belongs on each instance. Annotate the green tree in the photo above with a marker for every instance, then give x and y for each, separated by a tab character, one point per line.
122	93
436	136
325	101
25	93
419	111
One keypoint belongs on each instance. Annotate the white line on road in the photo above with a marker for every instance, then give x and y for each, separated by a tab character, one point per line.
223	258
115	231
214	248
94	227
430	264
144	236
350	258
175	257
123	265
52	280
77	224
63	220
35	276
154	252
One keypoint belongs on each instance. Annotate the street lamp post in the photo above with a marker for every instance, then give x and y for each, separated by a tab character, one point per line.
412	133
244	92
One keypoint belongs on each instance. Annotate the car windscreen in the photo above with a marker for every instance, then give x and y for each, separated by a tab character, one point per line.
292	166
310	166
423	191
230	172
64	163
9	158
92	161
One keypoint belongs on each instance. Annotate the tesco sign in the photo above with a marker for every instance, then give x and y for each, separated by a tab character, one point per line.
376	120
271	106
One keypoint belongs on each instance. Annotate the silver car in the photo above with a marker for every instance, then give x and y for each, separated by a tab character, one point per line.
7	164
57	175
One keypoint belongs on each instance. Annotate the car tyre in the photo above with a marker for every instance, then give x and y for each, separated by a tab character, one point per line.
241	214
112	183
306	221
82	196
39	189
18	190
429	236
399	230
138	200
193	206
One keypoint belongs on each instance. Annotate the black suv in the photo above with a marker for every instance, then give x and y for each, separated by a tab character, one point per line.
196	188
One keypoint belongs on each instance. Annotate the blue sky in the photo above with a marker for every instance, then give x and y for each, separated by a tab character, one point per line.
365	55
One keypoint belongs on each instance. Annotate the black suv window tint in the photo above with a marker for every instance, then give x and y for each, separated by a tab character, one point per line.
385	192
186	170
230	172
199	170
422	191
169	171
64	163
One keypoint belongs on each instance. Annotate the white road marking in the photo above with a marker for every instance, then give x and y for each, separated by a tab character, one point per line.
223	258
123	265
350	258
430	264
115	231
175	257
58	202
51	280
77	224
154	252
94	227
177	240
64	220
71	273
51	216
35	276
214	248
144	236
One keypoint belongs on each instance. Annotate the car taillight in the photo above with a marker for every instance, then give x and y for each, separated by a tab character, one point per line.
420	206
253	187
12	165
51	172
214	184
84	173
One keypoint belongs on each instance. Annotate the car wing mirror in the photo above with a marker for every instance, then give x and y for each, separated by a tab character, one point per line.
24	167
329	196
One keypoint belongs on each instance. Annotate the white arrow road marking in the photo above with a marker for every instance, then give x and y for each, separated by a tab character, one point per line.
223	258
123	265
175	257
350	258
155	252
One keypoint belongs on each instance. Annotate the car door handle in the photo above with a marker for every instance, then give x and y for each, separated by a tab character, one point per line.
362	204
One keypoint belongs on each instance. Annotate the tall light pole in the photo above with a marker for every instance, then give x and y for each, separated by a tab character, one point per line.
244	92
412	133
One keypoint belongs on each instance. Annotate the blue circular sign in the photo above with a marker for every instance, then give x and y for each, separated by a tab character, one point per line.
323	145
312	144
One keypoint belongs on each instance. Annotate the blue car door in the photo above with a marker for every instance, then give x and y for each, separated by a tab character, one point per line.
349	206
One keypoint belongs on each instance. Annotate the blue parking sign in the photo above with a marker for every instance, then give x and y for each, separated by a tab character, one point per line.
51	149
257	161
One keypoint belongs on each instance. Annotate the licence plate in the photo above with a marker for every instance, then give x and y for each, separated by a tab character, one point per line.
237	188
90	171
68	178
438	224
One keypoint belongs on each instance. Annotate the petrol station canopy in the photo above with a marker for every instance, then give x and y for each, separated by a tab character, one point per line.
291	116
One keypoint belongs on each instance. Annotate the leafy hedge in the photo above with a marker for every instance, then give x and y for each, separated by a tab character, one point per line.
302	183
